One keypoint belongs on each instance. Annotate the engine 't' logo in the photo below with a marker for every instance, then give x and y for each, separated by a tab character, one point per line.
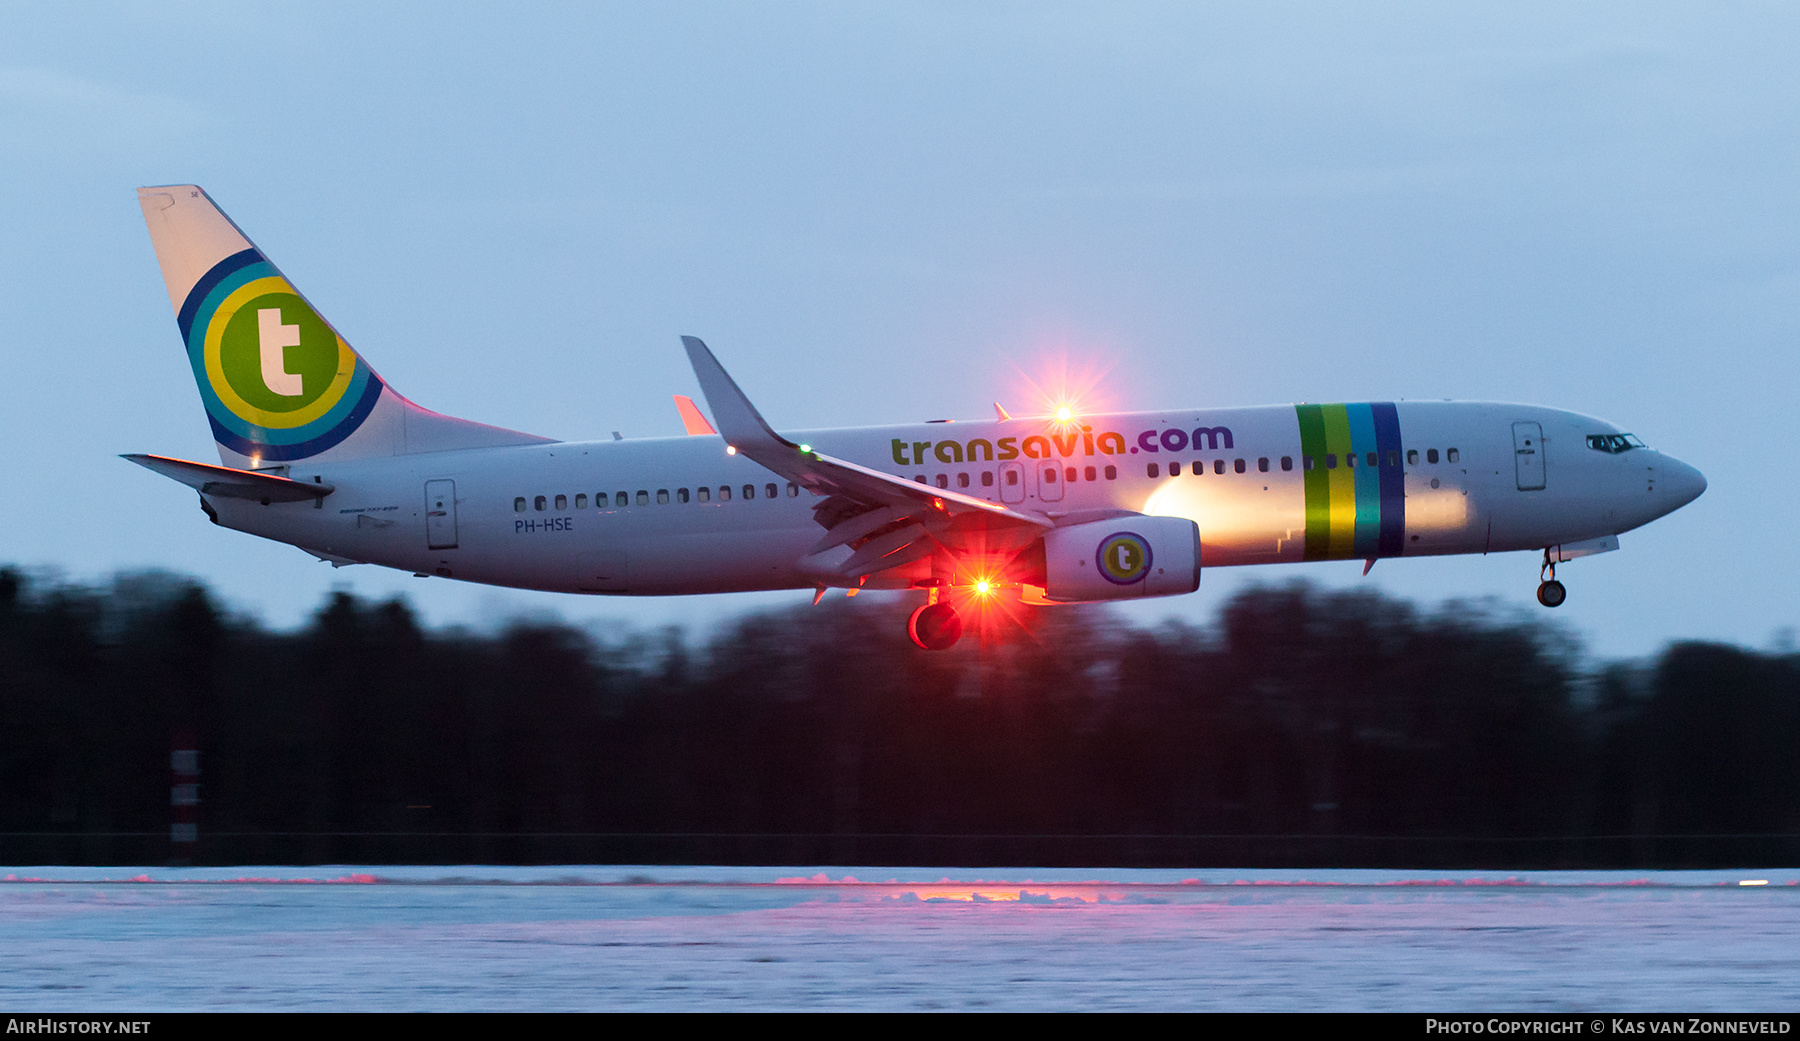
1123	558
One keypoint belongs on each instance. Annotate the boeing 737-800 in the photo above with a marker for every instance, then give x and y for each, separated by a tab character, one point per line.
317	451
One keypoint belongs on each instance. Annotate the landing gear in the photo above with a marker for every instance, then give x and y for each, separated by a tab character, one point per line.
935	627
1550	592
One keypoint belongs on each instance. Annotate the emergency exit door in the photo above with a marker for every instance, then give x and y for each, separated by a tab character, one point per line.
1012	482
440	514
1528	455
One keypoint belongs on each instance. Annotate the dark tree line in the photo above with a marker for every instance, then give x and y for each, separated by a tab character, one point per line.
1303	728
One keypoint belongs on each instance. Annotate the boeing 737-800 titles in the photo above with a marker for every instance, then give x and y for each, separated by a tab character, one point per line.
316	450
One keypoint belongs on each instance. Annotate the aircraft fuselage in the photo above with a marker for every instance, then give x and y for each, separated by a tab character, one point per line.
1272	484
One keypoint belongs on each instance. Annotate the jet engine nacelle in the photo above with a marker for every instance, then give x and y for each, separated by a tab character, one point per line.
1122	559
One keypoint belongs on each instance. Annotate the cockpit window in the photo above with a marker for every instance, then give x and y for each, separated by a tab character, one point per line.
1613	443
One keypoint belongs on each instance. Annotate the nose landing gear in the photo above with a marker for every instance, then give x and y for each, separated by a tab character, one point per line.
1550	592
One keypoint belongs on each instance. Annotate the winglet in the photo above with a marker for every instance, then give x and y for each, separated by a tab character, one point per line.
742	426
1000	412
691	417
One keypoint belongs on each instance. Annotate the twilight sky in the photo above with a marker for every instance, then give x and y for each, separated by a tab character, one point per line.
883	213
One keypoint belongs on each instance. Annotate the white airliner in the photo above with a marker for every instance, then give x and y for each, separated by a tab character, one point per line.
319	452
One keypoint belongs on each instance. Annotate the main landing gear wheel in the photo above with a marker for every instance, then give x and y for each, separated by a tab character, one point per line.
1550	592
935	627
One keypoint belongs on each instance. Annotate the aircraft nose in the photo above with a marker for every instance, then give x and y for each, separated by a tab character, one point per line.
1681	482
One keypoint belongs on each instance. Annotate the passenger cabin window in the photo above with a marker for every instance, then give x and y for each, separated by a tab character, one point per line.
794	489
1287	462
643	497
1350	460
1069	474
1330	460
987	478
962	481
581	501
681	495
1091	475
1174	469
1451	455
1150	470
538	502
1112	473
1262	465
662	496
562	502
1238	465
943	480
768	491
1431	455
704	494
749	491
1393	457
1412	457
1012	478
1306	462
519	504
724	493
1218	466
1372	458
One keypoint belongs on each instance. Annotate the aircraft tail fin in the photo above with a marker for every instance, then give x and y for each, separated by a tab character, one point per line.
278	382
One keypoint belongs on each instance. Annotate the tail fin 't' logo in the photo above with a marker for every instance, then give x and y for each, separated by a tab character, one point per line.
278	382
271	337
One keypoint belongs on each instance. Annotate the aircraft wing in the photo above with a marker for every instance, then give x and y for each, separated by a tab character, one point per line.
232	483
896	520
745	430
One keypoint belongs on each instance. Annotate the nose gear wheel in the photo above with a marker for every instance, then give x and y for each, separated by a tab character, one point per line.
1550	592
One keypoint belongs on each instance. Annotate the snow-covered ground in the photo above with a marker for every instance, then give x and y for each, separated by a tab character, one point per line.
583	937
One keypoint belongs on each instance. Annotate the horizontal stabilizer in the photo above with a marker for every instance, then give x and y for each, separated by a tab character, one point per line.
232	483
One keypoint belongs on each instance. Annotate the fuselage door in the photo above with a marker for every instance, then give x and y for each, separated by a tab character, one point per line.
1528	455
1049	480
440	514
1012	482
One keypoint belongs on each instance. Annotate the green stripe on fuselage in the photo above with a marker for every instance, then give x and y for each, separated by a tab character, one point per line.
1318	489
1341	504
